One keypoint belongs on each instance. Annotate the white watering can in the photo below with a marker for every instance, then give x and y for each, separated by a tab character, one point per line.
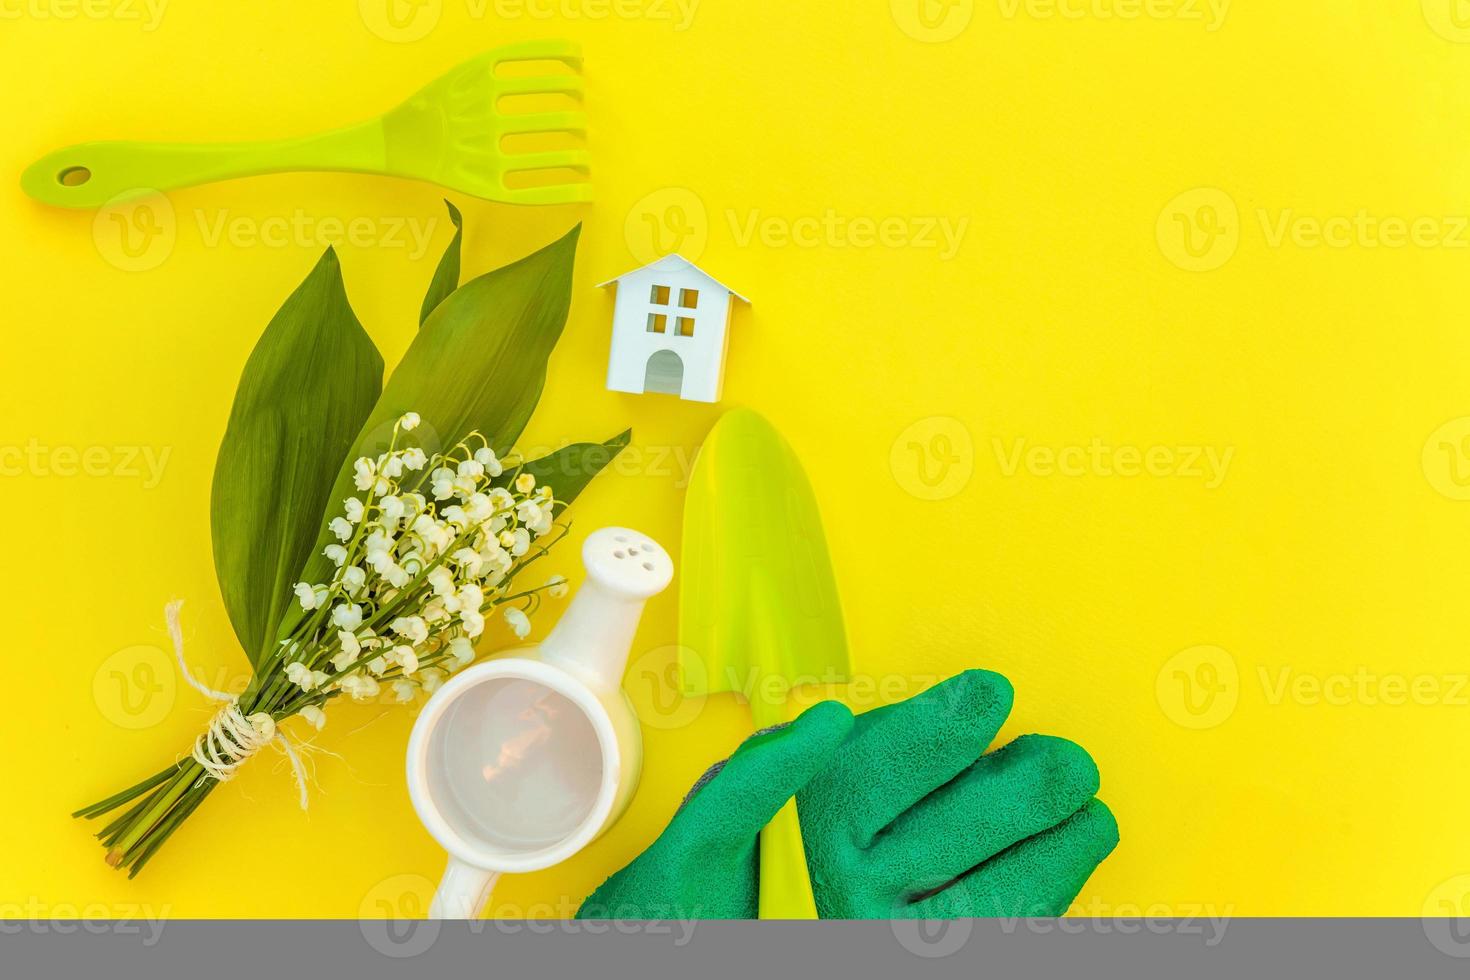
518	763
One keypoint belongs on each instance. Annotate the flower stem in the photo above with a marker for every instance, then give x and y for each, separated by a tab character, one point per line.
163	799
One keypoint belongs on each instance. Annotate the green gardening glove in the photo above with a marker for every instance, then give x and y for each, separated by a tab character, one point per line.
705	864
910	820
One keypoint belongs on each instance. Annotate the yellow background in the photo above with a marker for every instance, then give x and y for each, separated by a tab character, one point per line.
1151	618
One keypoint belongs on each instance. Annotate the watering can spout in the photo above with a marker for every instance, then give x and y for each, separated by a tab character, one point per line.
594	636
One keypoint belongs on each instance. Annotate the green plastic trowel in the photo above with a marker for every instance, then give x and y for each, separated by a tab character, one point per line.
758	607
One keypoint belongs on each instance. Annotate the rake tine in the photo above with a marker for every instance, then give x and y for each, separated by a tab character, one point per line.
550	194
579	160
545	122
567	52
547	85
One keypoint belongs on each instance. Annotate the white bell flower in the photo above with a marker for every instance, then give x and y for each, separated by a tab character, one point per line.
409	421
434	611
486	458
378	542
314	715
397	575
462	651
441	580
465	487
341	527
557	586
352	507
474	623
414	459
311	596
403	691
359	686
433	533
471	597
518	621
353	580
406	658
347	616
412	627
478	508
469	559
441	482
304	677
297	672
365	477
525	483
263	723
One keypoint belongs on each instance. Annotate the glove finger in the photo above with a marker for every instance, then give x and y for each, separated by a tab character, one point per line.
764	773
1028	786
1038	877
900	753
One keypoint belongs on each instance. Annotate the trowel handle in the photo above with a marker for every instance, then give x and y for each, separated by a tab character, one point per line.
785	885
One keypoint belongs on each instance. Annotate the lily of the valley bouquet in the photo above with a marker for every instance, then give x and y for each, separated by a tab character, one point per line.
364	532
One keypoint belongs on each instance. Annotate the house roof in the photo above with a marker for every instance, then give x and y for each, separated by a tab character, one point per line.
674	262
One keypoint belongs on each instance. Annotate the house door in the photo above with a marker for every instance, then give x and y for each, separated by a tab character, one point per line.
665	373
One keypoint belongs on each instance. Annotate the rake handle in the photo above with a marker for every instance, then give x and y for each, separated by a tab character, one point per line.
91	175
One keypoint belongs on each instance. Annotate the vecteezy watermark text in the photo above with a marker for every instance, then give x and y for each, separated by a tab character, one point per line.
1097	458
138	231
35	458
1211	13
406	21
96	919
832	229
147	13
301	228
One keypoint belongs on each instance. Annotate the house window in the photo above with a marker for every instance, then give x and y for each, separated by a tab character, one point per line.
661	298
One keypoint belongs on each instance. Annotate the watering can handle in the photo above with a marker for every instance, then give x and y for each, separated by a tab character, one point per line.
463	891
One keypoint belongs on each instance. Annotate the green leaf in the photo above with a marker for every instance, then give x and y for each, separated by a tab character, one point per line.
305	391
568	470
478	364
446	276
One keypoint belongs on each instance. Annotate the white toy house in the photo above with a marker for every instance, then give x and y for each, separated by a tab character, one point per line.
671	328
